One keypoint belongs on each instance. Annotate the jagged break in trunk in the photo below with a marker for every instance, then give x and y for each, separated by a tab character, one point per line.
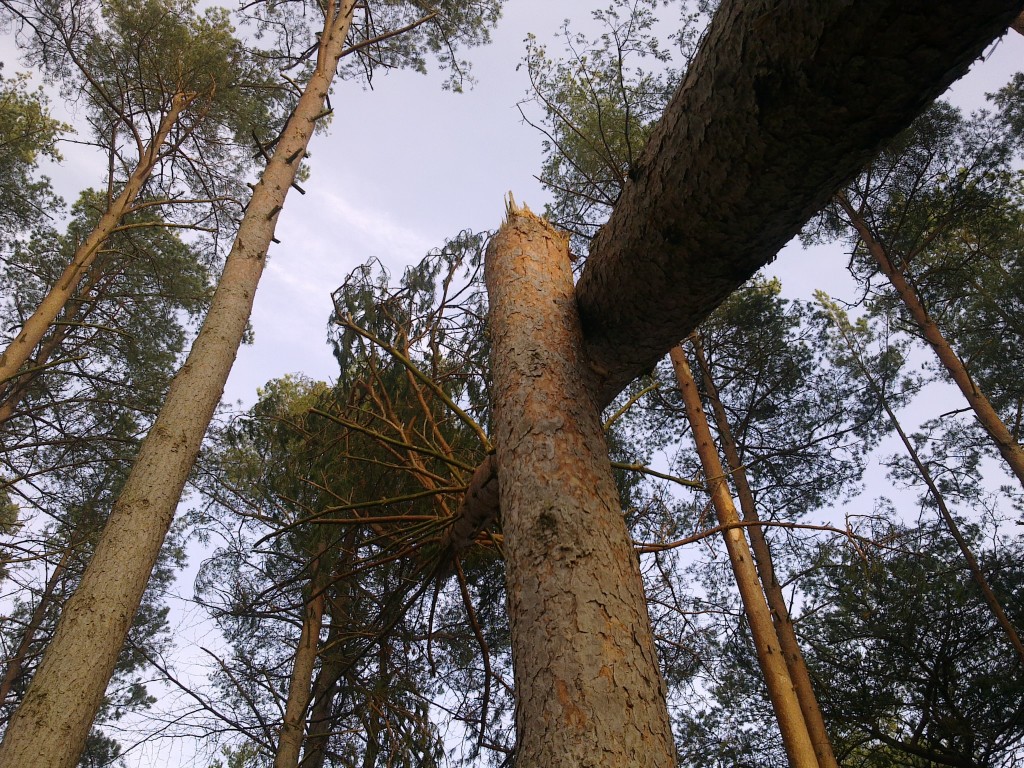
588	687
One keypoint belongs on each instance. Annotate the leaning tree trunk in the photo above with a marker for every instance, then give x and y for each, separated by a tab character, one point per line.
290	739
1007	446
994	605
588	687
781	692
32	332
52	723
783	103
795	663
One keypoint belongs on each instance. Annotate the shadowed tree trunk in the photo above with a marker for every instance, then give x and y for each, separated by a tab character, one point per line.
588	687
783	103
781	692
306	651
1008	447
52	723
794	657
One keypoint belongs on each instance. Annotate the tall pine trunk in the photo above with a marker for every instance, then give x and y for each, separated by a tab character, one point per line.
1008	447
781	692
994	605
588	687
306	651
50	727
33	330
795	663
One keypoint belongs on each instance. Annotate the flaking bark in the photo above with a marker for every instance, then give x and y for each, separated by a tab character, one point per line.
588	688
783	104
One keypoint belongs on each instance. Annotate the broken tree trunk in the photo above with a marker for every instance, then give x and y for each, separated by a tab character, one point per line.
783	103
588	687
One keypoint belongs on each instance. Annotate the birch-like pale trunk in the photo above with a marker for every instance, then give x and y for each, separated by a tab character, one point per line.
589	691
1005	443
781	692
51	725
783	622
20	349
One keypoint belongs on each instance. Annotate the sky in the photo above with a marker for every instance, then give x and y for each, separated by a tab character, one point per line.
407	165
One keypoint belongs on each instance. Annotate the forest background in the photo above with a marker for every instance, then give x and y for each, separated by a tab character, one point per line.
426	164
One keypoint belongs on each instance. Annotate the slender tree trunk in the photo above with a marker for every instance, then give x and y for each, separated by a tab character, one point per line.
781	692
783	103
321	720
940	502
16	663
13	390
32	332
50	727
588	688
1008	447
290	740
794	657
1017	25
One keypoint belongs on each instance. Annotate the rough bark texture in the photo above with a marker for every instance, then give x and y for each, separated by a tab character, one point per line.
588	688
35	327
784	102
795	735
1008	447
51	725
794	657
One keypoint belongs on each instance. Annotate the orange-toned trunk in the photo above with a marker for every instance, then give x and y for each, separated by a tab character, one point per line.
588	687
798	672
781	692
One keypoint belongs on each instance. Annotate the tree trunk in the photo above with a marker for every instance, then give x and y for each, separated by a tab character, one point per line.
32	332
794	657
795	735
53	721
588	688
940	502
783	103
16	663
1008	447
1017	25
290	740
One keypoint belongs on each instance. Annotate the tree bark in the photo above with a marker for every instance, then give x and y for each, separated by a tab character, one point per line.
783	104
32	332
1007	446
1017	25
795	735
588	687
290	739
794	657
53	721
940	502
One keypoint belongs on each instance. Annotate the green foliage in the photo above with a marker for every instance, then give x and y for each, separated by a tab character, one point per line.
912	668
384	35
27	133
597	110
